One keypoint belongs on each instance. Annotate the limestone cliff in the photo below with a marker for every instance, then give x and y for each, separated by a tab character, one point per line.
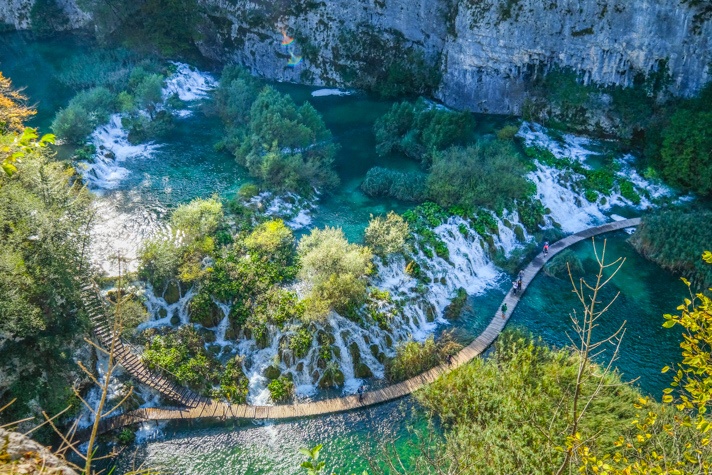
487	51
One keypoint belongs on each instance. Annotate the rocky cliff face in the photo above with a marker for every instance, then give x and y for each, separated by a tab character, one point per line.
487	51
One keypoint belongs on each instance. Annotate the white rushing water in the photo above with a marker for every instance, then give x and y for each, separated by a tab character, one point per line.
557	190
331	92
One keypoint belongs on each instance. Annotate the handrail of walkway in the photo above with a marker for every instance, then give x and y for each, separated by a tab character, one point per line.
208	408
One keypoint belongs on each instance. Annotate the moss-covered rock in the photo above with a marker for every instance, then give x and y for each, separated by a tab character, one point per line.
361	370
172	293
454	309
272	372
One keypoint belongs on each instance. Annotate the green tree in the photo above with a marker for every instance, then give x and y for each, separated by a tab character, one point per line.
335	270
386	235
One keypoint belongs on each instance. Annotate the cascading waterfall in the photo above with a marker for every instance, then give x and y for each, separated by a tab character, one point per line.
555	188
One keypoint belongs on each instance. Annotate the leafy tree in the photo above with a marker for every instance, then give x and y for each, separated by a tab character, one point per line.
85	112
419	129
386	235
335	270
44	221
289	147
13	107
198	219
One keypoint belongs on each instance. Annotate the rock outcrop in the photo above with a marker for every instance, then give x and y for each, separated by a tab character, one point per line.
21	455
487	51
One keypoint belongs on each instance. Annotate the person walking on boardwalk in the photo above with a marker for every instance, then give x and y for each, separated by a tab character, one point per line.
504	310
360	393
514	287
521	274
449	359
546	248
520	284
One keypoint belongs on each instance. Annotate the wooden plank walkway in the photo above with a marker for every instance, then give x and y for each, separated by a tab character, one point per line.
198	407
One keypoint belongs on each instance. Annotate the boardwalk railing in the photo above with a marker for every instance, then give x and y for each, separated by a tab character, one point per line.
206	408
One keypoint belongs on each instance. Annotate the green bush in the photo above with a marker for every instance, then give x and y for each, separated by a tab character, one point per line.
335	271
126	436
85	112
419	129
404	186
508	408
413	358
675	239
489	174
281	389
386	235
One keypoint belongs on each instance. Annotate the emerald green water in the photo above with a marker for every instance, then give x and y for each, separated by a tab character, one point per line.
186	166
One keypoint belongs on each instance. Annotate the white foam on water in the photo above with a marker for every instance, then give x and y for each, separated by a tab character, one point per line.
572	211
331	92
570	146
188	83
112	149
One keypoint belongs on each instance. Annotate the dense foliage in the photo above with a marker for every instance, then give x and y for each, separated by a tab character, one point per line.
404	186
686	152
286	146
413	358
500	413
182	356
118	82
488	174
335	271
386	235
44	213
421	128
675	239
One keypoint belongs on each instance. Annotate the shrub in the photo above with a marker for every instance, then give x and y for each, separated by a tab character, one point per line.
413	358
507	132
288	147
420	129
86	111
159	259
404	186
675	239
248	191
335	270
518	394
281	389
386	235
126	436
489	174
198	219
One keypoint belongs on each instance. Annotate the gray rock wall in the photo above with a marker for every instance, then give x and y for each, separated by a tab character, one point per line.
488	60
487	51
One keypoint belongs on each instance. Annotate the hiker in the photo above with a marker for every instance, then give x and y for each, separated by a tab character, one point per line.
521	274
546	248
360	393
520	284
504	310
514	287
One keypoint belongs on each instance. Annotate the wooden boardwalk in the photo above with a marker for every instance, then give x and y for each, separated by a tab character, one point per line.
198	408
